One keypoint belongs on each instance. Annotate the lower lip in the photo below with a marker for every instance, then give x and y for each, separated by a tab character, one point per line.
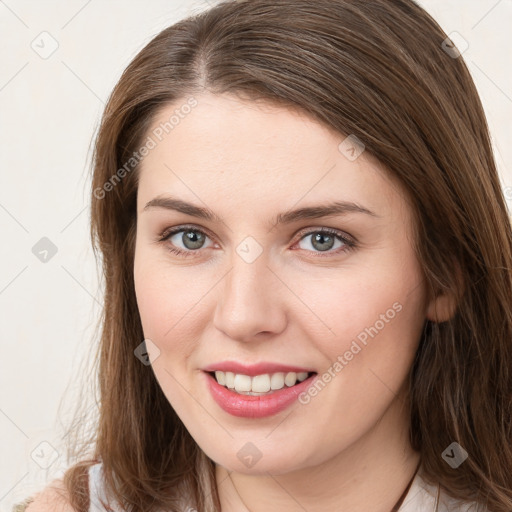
251	406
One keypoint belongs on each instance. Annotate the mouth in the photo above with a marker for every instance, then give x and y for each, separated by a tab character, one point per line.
258	395
259	385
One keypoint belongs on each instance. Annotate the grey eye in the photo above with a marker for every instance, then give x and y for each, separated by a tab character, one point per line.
190	238
321	241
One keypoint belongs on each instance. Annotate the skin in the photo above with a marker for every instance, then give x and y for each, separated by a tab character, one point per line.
348	448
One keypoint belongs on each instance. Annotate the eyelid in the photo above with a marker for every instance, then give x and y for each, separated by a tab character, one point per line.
167	232
326	229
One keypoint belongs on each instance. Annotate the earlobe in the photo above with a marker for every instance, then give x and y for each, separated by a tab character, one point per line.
442	306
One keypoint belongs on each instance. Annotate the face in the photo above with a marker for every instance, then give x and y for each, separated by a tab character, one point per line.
303	270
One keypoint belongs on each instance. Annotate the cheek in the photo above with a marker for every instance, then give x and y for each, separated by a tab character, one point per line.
170	305
166	308
375	318
363	306
377	331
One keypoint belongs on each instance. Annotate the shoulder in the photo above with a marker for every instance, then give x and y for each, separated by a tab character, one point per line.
54	498
423	496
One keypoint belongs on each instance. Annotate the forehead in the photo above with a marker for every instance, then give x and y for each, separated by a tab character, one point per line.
239	151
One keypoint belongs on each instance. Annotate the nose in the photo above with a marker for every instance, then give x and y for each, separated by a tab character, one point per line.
250	303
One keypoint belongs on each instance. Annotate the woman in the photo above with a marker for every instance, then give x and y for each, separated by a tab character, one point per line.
307	263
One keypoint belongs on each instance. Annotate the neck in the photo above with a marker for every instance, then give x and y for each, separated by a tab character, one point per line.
371	474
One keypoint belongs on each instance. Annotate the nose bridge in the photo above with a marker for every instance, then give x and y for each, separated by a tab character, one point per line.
249	300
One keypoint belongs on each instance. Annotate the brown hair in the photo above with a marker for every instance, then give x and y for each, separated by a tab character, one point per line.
376	69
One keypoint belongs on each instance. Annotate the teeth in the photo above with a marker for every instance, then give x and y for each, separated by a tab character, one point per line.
277	381
259	383
242	383
230	379
221	378
290	379
302	376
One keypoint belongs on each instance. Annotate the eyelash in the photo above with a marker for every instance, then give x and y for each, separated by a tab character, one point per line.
349	243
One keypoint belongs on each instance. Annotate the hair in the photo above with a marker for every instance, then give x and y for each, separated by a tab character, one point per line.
374	69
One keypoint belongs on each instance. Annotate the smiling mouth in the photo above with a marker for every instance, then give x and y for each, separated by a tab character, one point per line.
258	385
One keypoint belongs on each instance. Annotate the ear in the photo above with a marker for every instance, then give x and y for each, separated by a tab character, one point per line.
443	305
441	308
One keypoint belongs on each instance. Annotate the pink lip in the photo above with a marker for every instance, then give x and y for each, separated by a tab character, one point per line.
254	369
251	406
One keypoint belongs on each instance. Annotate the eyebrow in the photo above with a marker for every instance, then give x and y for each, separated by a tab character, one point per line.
287	217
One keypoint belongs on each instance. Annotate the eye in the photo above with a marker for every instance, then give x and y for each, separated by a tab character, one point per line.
187	240
190	238
323	240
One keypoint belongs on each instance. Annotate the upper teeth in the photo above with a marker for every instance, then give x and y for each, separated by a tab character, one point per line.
259	383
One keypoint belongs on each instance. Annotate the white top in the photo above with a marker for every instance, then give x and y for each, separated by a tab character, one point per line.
421	497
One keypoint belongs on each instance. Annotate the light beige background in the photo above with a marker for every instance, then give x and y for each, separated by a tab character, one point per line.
50	106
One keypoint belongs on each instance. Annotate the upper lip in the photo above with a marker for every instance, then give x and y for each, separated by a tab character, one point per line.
254	369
